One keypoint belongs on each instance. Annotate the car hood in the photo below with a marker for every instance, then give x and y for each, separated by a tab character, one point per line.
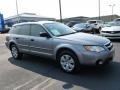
112	28
85	39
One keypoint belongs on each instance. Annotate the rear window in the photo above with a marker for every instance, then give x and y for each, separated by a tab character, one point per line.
20	29
91	22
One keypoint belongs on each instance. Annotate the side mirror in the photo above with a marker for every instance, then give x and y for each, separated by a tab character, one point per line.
44	34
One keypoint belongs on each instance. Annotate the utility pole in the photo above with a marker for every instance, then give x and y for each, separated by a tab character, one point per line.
99	8
60	10
112	6
17	11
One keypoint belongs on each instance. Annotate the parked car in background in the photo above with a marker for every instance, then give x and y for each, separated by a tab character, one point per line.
111	30
117	20
72	23
83	27
96	25
59	42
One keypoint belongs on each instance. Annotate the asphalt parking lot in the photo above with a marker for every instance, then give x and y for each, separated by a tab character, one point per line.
35	73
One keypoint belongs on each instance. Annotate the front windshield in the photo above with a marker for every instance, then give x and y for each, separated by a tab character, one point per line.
80	25
58	29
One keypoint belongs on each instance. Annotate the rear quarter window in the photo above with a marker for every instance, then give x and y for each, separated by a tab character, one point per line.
14	30
20	30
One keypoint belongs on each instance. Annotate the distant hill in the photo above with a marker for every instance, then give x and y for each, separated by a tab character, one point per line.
106	18
80	18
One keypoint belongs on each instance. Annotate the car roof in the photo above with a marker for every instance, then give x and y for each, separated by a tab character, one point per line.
39	22
94	20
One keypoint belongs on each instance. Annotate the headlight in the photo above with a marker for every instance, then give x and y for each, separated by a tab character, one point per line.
94	48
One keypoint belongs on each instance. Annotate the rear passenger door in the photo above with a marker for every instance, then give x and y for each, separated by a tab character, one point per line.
38	44
23	38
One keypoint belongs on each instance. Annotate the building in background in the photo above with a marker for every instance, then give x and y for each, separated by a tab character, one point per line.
106	18
25	17
75	19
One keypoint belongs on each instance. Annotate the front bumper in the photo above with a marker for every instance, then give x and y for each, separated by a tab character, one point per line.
92	58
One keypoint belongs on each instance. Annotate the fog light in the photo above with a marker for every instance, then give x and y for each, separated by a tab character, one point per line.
99	62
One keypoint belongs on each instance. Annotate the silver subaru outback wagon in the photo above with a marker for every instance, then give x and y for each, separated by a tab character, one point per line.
59	42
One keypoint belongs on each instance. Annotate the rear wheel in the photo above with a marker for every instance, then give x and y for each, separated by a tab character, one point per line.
15	52
68	61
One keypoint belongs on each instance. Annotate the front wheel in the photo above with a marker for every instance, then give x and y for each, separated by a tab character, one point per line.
15	52
68	61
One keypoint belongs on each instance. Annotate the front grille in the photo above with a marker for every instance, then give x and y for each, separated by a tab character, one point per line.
109	45
111	32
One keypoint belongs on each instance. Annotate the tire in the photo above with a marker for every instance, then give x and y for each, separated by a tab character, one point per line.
71	64
15	52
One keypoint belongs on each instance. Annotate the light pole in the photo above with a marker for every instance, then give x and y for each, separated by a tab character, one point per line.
17	11
99	8
112	6
60	10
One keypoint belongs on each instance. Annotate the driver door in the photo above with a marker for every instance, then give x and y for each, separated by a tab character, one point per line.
38	44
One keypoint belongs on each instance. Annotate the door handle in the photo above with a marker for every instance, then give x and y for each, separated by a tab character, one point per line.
31	39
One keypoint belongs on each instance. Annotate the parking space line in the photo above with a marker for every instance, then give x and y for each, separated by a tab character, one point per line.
26	83
49	85
37	87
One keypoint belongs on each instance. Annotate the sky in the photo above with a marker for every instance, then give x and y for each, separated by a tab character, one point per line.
50	8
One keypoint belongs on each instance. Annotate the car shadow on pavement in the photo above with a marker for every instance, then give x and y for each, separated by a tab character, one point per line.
107	78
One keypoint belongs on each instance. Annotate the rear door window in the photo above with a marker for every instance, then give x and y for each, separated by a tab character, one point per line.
24	29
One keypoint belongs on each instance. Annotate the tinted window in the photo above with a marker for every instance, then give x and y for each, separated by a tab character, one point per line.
14	30
24	29
36	29
91	22
20	29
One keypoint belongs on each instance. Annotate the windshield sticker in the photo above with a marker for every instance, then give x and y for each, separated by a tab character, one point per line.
55	32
